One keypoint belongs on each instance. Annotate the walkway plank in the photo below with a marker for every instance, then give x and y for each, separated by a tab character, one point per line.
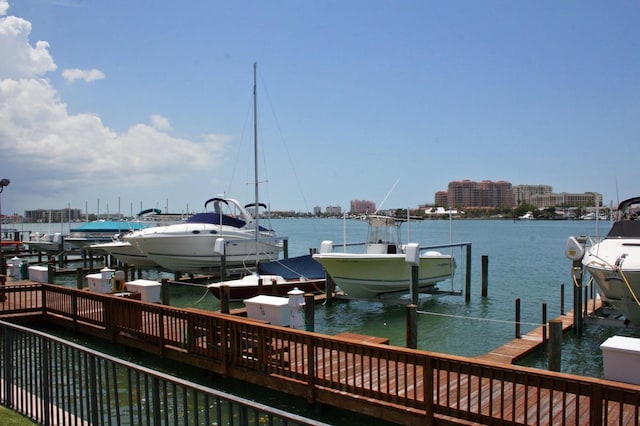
516	349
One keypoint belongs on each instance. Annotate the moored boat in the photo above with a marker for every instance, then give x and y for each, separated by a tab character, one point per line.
101	231
614	261
191	246
277	277
128	253
382	268
230	235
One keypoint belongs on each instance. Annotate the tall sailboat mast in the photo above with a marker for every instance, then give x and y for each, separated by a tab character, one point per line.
255	151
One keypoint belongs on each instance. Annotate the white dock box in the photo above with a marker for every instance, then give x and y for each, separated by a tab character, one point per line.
621	357
99	284
150	291
39	274
272	309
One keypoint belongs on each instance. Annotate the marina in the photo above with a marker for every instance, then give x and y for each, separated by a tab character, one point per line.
441	319
395	384
526	261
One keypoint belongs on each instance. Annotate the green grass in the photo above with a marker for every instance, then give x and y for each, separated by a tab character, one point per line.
11	418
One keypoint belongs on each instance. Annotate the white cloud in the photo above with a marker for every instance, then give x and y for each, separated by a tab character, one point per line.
74	74
54	151
160	123
4	6
19	59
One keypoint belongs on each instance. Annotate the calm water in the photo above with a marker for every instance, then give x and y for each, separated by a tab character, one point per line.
526	261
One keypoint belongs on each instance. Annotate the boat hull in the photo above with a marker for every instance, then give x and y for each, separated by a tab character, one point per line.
367	276
191	247
125	253
249	287
614	265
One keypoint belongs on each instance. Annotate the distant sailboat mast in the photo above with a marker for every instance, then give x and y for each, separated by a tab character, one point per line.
255	153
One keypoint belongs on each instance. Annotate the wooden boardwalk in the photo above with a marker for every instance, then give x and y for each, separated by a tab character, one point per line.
353	372
518	348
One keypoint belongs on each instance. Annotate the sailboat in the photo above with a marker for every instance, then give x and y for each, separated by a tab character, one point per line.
304	273
231	233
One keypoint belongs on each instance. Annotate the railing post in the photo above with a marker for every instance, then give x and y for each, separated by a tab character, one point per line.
93	390
311	368
44	368
427	380
595	405
8	363
155	395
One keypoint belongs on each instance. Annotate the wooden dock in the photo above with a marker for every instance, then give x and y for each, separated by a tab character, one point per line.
518	348
387	382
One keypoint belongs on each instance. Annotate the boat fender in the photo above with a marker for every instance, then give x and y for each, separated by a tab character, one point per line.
574	249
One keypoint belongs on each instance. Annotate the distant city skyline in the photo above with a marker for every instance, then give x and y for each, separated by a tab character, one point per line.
377	100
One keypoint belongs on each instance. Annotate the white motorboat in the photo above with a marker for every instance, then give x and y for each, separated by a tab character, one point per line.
382	267
128	253
49	242
191	246
527	216
277	277
230	233
614	262
124	251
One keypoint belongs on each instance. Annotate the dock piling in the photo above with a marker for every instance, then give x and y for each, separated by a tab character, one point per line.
467	281
518	334
485	275
544	327
555	344
412	326
309	311
165	291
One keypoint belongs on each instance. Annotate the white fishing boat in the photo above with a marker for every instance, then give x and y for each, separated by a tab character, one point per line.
614	262
382	267
230	233
47	242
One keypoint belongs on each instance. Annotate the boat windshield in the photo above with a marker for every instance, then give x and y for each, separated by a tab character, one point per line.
383	229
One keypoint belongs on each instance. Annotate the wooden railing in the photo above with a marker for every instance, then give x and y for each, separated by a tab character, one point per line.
402	385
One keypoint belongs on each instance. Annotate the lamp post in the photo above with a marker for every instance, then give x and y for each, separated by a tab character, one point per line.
3	266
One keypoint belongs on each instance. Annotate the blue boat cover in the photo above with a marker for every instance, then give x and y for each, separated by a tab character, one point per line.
293	268
214	219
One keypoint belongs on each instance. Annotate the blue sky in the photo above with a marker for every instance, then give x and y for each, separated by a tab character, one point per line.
124	104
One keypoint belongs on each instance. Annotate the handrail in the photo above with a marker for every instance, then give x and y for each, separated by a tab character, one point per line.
101	389
405	384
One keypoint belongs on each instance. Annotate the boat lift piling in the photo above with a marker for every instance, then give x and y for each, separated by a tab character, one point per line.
485	275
